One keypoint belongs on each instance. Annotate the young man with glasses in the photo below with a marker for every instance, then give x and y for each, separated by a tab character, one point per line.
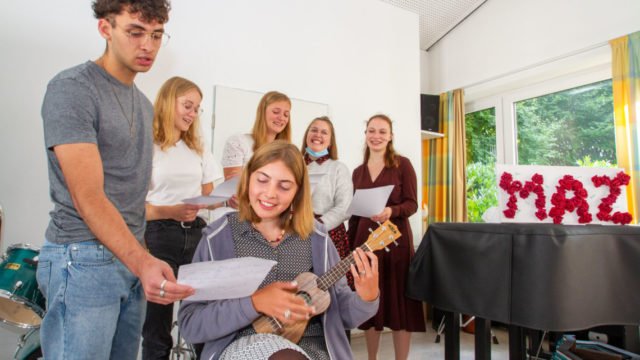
93	268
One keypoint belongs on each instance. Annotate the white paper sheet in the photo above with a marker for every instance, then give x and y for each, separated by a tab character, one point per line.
205	200
369	202
227	188
220	193
224	279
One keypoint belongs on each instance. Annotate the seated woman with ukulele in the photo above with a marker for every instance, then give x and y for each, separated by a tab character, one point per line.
302	308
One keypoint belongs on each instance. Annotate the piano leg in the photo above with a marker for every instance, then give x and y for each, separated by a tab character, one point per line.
482	339
451	335
516	343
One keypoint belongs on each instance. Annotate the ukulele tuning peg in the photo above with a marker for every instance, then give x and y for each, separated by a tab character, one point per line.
395	242
371	231
386	249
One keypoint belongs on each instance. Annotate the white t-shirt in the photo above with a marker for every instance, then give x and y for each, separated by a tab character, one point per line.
178	173
237	150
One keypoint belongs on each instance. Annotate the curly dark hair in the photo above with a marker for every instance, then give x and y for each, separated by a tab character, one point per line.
149	10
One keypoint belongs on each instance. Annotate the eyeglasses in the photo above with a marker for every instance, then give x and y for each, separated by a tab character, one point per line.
189	107
138	37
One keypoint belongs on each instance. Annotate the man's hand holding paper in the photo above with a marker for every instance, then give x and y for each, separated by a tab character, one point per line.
224	279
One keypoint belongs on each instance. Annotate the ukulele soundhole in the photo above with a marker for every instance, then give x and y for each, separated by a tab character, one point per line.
305	296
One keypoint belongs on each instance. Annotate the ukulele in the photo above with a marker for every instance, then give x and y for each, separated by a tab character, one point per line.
314	289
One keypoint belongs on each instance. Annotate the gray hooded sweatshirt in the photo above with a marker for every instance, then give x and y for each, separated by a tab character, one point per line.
216	323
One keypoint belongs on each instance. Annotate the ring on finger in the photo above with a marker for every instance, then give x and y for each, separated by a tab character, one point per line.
161	293
162	284
287	314
362	273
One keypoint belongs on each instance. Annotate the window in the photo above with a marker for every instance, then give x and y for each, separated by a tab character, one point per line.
572	127
564	120
481	158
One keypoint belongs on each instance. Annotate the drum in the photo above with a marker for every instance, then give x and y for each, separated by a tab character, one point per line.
29	346
21	303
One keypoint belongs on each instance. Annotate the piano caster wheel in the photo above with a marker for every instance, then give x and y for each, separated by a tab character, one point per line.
437	339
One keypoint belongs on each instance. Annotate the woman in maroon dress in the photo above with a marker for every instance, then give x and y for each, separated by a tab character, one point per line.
382	166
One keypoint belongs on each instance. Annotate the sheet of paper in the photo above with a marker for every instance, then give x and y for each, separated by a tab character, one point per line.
224	279
220	193
369	202
227	188
205	200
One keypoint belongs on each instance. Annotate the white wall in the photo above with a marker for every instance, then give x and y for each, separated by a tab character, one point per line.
359	56
506	35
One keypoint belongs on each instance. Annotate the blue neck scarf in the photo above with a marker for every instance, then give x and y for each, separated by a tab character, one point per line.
317	154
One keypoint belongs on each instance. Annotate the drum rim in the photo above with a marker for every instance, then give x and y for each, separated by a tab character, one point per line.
22	301
22	246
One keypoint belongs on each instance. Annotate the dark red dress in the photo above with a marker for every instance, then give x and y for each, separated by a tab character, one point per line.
396	311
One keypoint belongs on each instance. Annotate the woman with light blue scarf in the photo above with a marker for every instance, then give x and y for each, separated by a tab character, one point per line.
332	188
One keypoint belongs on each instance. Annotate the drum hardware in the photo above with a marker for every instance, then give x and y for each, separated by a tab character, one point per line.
28	346
21	302
33	262
23	306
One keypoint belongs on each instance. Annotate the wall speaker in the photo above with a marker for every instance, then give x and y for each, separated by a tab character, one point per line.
429	109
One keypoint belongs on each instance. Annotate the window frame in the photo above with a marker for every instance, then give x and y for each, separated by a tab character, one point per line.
488	103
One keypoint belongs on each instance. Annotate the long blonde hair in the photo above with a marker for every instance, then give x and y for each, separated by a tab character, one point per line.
259	132
390	153
164	113
300	219
333	145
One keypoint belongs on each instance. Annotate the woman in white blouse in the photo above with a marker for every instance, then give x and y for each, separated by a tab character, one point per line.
182	168
272	122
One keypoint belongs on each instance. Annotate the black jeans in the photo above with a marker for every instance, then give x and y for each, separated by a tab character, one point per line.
175	243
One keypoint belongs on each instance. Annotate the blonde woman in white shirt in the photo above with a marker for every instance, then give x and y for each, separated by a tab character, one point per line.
182	168
272	122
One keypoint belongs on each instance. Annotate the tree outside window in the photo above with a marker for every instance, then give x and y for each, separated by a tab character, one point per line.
481	159
568	128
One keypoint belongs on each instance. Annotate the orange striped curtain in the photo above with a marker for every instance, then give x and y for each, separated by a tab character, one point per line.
626	105
445	163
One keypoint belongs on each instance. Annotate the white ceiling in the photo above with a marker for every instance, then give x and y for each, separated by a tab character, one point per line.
437	17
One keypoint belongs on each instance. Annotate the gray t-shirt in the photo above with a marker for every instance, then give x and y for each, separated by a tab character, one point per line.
85	104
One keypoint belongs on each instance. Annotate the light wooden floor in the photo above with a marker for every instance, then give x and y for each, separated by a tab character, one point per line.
423	346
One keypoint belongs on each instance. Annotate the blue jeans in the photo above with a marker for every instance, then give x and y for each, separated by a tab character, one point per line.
95	305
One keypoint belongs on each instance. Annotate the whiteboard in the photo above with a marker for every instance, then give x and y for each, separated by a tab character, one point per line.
234	111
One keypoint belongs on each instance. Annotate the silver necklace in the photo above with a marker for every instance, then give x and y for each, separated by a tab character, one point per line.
129	120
